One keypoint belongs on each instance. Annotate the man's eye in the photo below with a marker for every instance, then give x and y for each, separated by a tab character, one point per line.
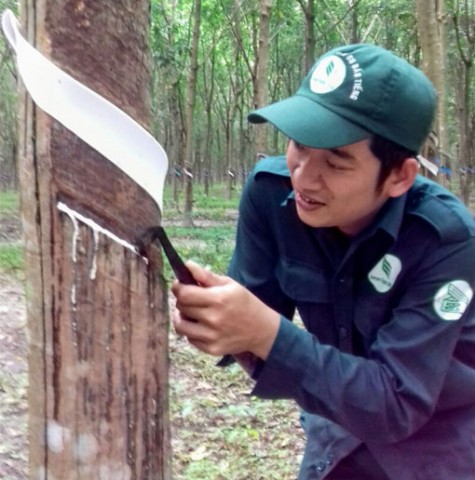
335	166
298	145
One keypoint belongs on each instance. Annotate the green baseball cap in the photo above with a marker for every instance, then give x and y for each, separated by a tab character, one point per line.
352	93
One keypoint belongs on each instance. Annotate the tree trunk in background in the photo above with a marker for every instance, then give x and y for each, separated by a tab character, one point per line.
8	126
190	110
261	83
355	34
207	165
431	27
175	152
466	129
97	313
167	92
464	24
233	96
308	9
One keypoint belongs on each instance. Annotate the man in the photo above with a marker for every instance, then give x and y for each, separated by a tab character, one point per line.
380	264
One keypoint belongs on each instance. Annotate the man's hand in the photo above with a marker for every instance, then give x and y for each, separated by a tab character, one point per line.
228	318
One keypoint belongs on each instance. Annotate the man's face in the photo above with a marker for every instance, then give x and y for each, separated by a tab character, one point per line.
337	187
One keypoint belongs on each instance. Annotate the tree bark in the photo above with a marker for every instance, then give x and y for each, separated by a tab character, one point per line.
308	9
262	55
431	28
97	312
209	123
465	39
190	111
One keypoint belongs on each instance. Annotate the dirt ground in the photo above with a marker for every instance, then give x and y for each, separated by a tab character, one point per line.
13	380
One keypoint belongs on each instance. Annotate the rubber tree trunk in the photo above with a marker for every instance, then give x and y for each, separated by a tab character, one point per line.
431	19
97	312
190	109
260	85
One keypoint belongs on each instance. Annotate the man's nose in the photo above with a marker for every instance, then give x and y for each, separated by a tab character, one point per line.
311	166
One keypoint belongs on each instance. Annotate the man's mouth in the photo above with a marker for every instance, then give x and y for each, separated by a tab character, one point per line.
300	197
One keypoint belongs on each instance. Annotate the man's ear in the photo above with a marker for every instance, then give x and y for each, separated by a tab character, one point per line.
400	181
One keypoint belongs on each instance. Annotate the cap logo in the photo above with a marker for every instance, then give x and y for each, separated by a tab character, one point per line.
328	75
452	300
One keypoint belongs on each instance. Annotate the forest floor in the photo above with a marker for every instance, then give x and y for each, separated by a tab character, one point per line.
219	432
13	380
13	365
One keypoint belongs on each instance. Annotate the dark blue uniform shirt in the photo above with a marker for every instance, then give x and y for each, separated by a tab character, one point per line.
387	356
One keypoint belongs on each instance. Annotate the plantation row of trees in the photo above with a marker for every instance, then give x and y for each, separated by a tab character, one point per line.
214	61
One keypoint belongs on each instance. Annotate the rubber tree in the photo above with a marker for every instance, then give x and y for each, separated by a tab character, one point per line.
432	36
97	311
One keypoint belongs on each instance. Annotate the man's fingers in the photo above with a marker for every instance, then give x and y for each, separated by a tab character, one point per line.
190	297
205	277
185	325
197	333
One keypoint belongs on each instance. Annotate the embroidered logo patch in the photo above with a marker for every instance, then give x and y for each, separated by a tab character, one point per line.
452	300
383	276
328	75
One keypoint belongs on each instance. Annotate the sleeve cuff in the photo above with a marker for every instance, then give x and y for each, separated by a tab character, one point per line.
280	376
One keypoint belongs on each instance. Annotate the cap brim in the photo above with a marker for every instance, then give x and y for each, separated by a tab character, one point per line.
309	123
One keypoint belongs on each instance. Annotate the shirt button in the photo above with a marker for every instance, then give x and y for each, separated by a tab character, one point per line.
321	466
330	459
342	332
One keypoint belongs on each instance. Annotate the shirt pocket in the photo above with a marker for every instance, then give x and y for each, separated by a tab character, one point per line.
309	288
372	310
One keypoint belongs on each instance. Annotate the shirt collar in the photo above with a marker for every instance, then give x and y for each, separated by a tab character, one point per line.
290	196
389	218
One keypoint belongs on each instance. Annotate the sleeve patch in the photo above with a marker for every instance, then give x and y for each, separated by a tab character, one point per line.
452	300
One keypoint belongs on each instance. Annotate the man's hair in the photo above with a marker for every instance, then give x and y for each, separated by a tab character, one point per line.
390	154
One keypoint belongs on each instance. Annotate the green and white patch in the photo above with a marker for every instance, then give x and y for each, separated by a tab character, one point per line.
452	300
328	75
384	274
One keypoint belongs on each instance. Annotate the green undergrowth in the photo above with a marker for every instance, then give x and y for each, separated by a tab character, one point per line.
11	252
9	202
11	258
209	246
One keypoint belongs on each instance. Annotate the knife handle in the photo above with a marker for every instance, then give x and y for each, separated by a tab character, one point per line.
247	360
